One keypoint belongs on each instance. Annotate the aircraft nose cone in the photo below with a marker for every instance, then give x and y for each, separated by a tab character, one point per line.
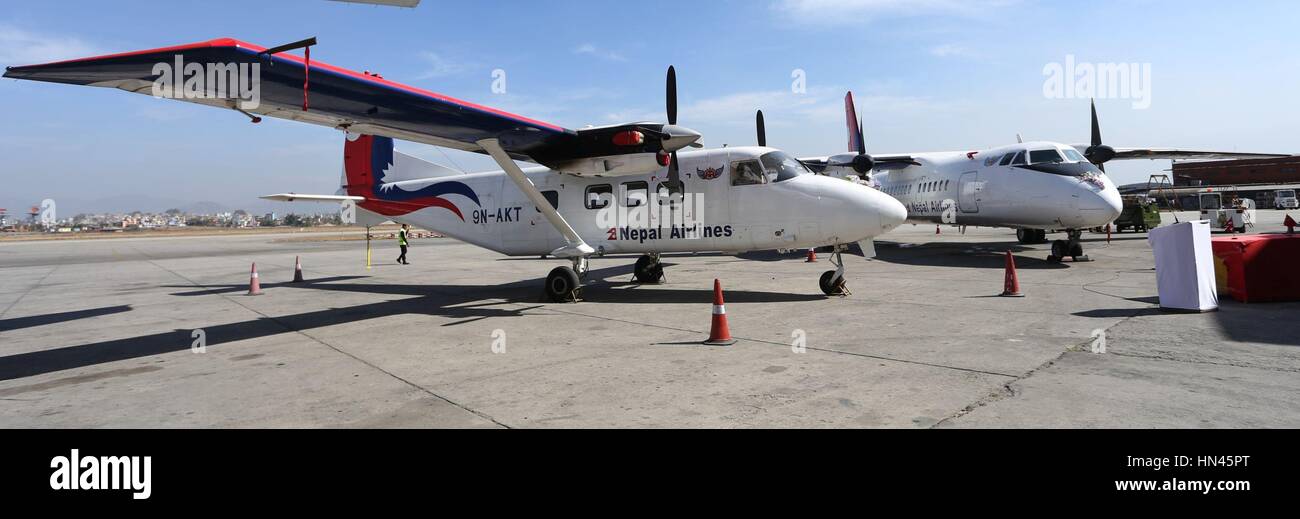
880	212
892	212
1100	207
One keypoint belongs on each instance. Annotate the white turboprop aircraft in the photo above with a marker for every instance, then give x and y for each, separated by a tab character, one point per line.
1032	187
602	190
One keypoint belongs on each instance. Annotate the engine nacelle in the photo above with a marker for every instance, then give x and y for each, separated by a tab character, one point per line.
861	163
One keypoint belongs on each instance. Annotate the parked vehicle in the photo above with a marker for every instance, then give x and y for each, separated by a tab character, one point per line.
1240	212
1140	213
1285	199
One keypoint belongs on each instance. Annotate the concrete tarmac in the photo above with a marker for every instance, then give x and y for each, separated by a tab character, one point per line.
102	333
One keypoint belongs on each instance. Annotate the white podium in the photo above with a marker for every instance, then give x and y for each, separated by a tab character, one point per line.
1184	266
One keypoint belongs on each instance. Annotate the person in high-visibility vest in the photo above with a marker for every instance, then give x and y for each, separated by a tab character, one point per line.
401	242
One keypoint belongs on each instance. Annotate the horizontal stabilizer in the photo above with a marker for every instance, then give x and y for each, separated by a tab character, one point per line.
408	167
295	197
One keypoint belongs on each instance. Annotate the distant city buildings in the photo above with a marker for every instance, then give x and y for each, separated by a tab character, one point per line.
170	219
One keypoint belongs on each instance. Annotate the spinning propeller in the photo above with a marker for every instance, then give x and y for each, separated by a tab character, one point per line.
1098	153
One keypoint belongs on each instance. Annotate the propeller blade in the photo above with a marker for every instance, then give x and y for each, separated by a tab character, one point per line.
1096	127
672	95
674	173
762	129
1098	153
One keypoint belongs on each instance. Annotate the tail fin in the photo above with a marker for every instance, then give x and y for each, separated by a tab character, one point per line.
370	161
854	126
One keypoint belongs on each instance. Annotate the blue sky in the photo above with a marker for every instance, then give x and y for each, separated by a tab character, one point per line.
929	75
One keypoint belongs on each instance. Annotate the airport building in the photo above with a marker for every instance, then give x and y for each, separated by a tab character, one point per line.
1256	179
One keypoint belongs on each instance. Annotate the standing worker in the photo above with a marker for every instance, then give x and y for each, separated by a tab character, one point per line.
401	242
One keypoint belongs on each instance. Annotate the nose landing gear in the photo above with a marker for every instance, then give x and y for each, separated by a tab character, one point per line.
1072	248
648	269
832	281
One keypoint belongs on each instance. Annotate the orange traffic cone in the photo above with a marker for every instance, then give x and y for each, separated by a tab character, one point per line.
1011	286
297	269
1290	224
812	256
254	286
719	333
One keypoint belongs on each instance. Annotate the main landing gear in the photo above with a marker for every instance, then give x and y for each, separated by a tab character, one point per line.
648	269
1072	248
1031	236
564	284
832	281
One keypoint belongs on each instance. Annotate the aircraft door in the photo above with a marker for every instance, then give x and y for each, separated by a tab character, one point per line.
526	230
746	181
970	187
707	200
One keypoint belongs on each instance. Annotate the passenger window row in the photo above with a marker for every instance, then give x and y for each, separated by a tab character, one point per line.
637	193
924	187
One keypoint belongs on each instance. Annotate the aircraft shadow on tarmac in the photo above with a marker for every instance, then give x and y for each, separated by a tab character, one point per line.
464	303
17	323
990	255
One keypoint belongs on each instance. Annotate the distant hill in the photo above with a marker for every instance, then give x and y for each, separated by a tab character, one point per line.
153	204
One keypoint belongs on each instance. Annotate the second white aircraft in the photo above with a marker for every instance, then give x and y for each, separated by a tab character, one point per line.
1033	187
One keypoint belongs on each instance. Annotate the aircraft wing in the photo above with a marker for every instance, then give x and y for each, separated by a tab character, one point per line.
300	89
397	3
818	164
1181	154
251	79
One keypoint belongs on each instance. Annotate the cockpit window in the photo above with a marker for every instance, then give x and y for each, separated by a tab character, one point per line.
1019	160
1041	156
1073	155
1006	159
747	173
781	167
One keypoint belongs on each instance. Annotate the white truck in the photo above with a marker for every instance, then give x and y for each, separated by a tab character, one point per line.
1240	212
1285	199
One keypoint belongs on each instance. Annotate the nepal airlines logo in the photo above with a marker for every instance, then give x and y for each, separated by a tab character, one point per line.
710	173
367	158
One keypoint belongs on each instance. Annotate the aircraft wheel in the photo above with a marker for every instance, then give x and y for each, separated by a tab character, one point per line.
1060	248
1040	236
1025	235
647	270
562	285
827	287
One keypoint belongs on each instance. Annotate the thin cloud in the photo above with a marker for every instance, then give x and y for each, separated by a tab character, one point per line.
950	50
22	47
436	65
855	11
782	108
589	49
